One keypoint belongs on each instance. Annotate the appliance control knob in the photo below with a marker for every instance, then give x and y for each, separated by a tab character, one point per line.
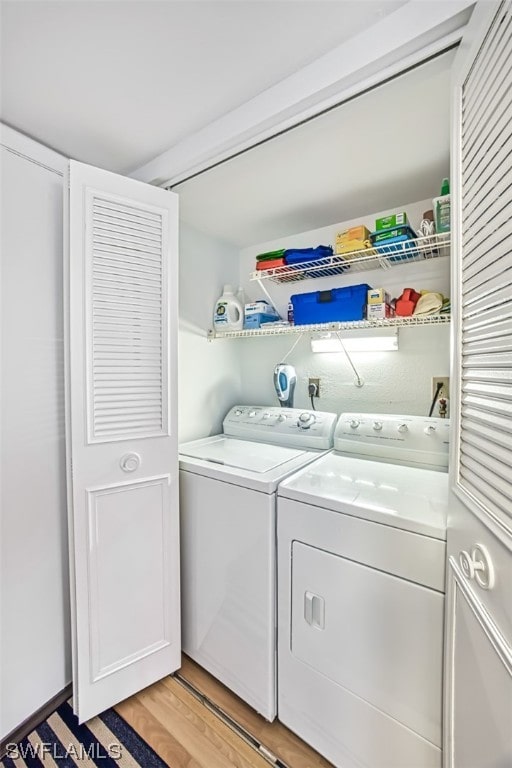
238	412
403	428
266	415
305	420
281	417
354	423
252	414
429	430
377	425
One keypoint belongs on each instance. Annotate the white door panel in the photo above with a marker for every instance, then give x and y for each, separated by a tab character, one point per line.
478	652
137	511
123	435
479	703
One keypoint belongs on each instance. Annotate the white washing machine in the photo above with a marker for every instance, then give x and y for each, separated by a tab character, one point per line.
228	488
361	573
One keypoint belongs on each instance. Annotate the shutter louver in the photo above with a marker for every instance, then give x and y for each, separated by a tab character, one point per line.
486	295
127	321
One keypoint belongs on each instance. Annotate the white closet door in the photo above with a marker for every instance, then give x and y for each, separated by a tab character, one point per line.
478	670
122	436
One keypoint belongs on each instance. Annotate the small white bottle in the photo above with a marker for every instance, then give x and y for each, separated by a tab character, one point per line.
228	314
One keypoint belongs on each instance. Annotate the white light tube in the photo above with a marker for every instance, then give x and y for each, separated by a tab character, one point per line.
363	340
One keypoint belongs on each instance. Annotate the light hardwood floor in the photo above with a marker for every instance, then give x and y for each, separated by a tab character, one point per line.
187	734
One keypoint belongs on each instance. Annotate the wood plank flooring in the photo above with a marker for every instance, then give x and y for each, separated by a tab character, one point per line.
186	733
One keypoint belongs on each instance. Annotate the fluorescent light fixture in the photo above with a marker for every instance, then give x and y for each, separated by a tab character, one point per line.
357	340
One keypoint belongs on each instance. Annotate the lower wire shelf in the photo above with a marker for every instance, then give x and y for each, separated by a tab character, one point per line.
283	330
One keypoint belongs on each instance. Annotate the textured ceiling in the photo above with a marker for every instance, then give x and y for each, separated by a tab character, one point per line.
116	82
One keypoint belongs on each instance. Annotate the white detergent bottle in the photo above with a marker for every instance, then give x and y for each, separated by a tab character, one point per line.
228	314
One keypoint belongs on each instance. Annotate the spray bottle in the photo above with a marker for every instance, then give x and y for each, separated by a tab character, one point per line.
442	208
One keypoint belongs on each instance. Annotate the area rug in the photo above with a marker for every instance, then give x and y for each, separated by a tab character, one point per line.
106	741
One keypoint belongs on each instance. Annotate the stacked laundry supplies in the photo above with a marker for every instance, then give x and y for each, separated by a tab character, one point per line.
270	259
299	258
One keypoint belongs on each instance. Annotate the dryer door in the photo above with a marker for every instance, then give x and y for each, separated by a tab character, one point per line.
377	637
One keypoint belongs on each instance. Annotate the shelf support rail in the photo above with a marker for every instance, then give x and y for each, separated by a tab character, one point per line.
267	294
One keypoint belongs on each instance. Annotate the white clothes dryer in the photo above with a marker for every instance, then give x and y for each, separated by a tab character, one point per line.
361	573
228	488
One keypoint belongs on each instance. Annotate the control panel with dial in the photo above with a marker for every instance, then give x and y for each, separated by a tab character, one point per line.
413	440
285	426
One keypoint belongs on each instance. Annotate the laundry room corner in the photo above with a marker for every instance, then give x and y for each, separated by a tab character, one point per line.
209	374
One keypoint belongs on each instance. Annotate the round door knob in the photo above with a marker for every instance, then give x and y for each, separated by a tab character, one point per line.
129	462
354	424
429	430
377	425
403	428
478	565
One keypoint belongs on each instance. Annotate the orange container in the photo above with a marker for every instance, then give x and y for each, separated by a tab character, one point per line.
405	304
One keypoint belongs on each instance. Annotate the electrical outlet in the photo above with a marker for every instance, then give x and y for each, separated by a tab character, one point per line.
445	388
316	383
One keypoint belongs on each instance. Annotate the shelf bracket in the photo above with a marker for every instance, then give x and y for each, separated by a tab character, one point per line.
267	294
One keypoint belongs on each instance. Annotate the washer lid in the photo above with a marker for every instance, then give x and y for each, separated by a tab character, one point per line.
403	497
241	454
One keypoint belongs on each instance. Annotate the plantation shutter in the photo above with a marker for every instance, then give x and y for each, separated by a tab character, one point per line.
128	319
485	434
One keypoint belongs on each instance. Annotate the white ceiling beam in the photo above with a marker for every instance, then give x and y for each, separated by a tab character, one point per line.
403	38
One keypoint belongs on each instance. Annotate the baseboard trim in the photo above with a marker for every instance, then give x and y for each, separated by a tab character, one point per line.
28	725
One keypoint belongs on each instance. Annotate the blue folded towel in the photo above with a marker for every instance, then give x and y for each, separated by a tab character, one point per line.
297	255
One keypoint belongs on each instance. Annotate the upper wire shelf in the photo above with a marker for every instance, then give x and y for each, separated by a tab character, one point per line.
419	249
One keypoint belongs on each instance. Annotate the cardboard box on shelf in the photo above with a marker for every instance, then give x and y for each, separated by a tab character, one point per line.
354	233
393	220
378	296
379	311
353	239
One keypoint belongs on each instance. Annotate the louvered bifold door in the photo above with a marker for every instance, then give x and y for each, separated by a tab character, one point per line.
485	447
127	319
122	436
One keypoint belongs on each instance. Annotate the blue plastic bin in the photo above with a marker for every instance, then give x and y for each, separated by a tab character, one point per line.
396	248
338	304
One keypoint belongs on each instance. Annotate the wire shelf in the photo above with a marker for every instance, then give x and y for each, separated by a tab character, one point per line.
419	249
284	330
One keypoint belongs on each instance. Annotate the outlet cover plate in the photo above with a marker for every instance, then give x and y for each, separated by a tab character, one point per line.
317	384
445	388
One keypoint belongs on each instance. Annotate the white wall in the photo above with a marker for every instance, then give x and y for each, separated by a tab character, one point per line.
209	372
395	382
35	622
